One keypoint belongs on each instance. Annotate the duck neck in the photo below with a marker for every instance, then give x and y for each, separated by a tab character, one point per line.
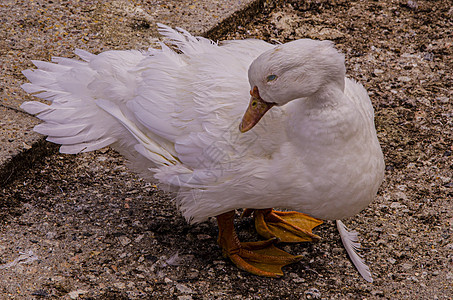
321	117
327	97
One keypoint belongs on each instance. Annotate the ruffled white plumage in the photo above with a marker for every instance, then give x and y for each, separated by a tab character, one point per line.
174	115
158	108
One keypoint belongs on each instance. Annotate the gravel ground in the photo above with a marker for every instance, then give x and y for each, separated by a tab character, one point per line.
83	226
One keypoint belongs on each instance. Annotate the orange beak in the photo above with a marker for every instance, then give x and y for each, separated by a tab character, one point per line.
255	111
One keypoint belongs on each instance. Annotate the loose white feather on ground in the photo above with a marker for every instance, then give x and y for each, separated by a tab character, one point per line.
352	245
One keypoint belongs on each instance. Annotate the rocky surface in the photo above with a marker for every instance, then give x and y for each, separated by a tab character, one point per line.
84	227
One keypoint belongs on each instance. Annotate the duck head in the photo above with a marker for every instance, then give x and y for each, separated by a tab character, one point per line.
298	69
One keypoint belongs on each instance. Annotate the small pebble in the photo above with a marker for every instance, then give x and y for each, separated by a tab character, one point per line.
203	237
51	235
119	285
312	293
139	238
183	289
167	280
124	240
407	266
404	79
377	293
378	71
76	294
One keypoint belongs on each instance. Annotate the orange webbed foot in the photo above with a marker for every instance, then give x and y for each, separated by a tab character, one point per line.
288	227
259	258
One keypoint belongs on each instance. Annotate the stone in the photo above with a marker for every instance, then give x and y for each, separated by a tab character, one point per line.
184	289
75	294
124	240
119	285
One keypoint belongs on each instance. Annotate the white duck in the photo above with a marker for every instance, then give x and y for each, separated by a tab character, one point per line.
175	117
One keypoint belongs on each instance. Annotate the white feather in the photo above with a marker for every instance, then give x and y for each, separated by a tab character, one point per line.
33	107
58	130
87	147
156	152
352	245
50	67
85	55
183	40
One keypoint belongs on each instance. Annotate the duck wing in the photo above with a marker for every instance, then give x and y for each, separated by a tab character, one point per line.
172	112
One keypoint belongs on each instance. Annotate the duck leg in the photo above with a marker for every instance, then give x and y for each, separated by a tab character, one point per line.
288	227
259	258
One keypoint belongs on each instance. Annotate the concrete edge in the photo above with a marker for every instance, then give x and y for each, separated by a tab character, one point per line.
20	163
238	18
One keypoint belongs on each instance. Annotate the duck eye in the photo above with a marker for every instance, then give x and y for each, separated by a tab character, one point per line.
271	77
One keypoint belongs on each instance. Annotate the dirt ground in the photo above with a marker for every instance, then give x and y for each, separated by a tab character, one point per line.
85	227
